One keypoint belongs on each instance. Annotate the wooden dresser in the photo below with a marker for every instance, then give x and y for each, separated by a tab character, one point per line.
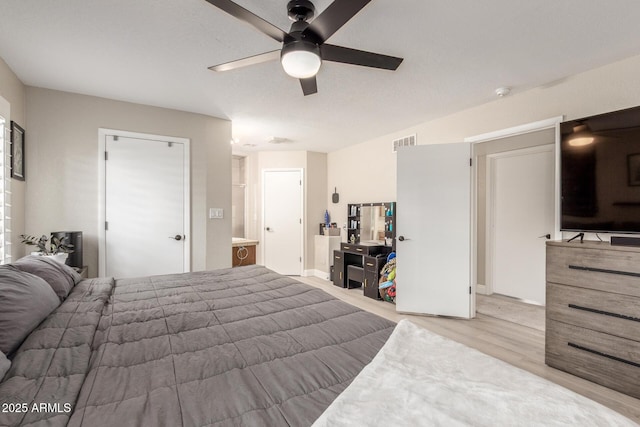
593	313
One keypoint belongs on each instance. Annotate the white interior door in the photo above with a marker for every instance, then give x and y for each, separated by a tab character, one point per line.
434	230
146	207
282	221
522	206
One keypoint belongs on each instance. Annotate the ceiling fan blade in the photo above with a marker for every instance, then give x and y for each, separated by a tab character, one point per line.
250	18
347	55
251	60
309	86
334	17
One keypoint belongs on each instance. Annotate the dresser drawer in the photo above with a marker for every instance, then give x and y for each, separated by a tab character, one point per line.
348	247
606	269
607	360
371	264
357	248
601	311
364	249
372	267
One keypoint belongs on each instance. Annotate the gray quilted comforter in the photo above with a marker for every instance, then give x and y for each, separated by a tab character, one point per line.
240	347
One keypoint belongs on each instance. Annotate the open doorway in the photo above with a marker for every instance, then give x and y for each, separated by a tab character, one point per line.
238	197
523	147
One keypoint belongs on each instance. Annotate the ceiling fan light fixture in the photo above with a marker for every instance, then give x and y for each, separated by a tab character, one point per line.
301	59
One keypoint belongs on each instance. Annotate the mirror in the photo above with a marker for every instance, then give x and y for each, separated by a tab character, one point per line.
372	223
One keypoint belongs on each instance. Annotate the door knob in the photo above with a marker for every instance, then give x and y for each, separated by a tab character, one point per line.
176	237
402	238
546	236
268	228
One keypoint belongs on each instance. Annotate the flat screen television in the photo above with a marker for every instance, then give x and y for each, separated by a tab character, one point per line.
600	173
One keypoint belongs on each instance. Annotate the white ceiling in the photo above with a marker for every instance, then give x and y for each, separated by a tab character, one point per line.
457	52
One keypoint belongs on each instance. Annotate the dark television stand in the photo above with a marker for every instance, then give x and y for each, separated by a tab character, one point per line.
580	235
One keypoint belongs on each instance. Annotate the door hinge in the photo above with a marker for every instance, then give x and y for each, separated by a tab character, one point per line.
115	137
300	259
470	161
106	155
469	290
300	220
300	182
106	225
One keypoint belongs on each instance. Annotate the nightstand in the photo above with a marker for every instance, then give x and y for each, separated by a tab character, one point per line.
83	271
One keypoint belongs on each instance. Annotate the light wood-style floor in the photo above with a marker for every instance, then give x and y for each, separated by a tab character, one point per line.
513	343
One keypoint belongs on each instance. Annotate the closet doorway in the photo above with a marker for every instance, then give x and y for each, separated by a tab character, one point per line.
517	206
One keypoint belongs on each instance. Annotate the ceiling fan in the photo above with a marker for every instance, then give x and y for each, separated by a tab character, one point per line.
303	47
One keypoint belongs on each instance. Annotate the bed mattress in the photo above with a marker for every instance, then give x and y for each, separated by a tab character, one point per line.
242	346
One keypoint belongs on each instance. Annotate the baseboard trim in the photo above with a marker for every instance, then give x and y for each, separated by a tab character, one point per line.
316	273
481	289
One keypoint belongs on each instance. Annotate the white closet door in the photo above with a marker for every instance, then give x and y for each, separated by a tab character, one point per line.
144	207
282	221
434	230
522	200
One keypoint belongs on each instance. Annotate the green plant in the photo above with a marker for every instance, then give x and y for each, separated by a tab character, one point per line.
55	246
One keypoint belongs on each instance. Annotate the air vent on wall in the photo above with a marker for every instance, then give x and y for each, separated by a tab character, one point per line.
403	142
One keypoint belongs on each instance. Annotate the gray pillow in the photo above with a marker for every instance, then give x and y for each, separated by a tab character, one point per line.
60	277
25	301
5	364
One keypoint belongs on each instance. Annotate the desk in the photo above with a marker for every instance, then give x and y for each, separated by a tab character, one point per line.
359	264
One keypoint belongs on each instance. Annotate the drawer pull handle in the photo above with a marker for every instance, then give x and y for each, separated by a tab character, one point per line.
604	270
608	356
337	257
346	247
369	264
359	249
606	313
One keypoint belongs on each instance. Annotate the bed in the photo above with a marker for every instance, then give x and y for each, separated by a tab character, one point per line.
246	347
242	346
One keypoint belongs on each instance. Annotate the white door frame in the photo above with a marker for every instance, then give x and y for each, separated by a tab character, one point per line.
554	123
302	213
102	183
491	182
5	119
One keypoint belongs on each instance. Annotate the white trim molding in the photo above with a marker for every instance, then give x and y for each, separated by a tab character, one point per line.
553	122
515	130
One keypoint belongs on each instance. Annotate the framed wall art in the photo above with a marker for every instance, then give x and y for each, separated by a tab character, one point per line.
17	151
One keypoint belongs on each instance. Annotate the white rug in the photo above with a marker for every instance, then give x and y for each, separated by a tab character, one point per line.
422	379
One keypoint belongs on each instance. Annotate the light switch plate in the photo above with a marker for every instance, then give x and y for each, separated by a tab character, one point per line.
216	213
